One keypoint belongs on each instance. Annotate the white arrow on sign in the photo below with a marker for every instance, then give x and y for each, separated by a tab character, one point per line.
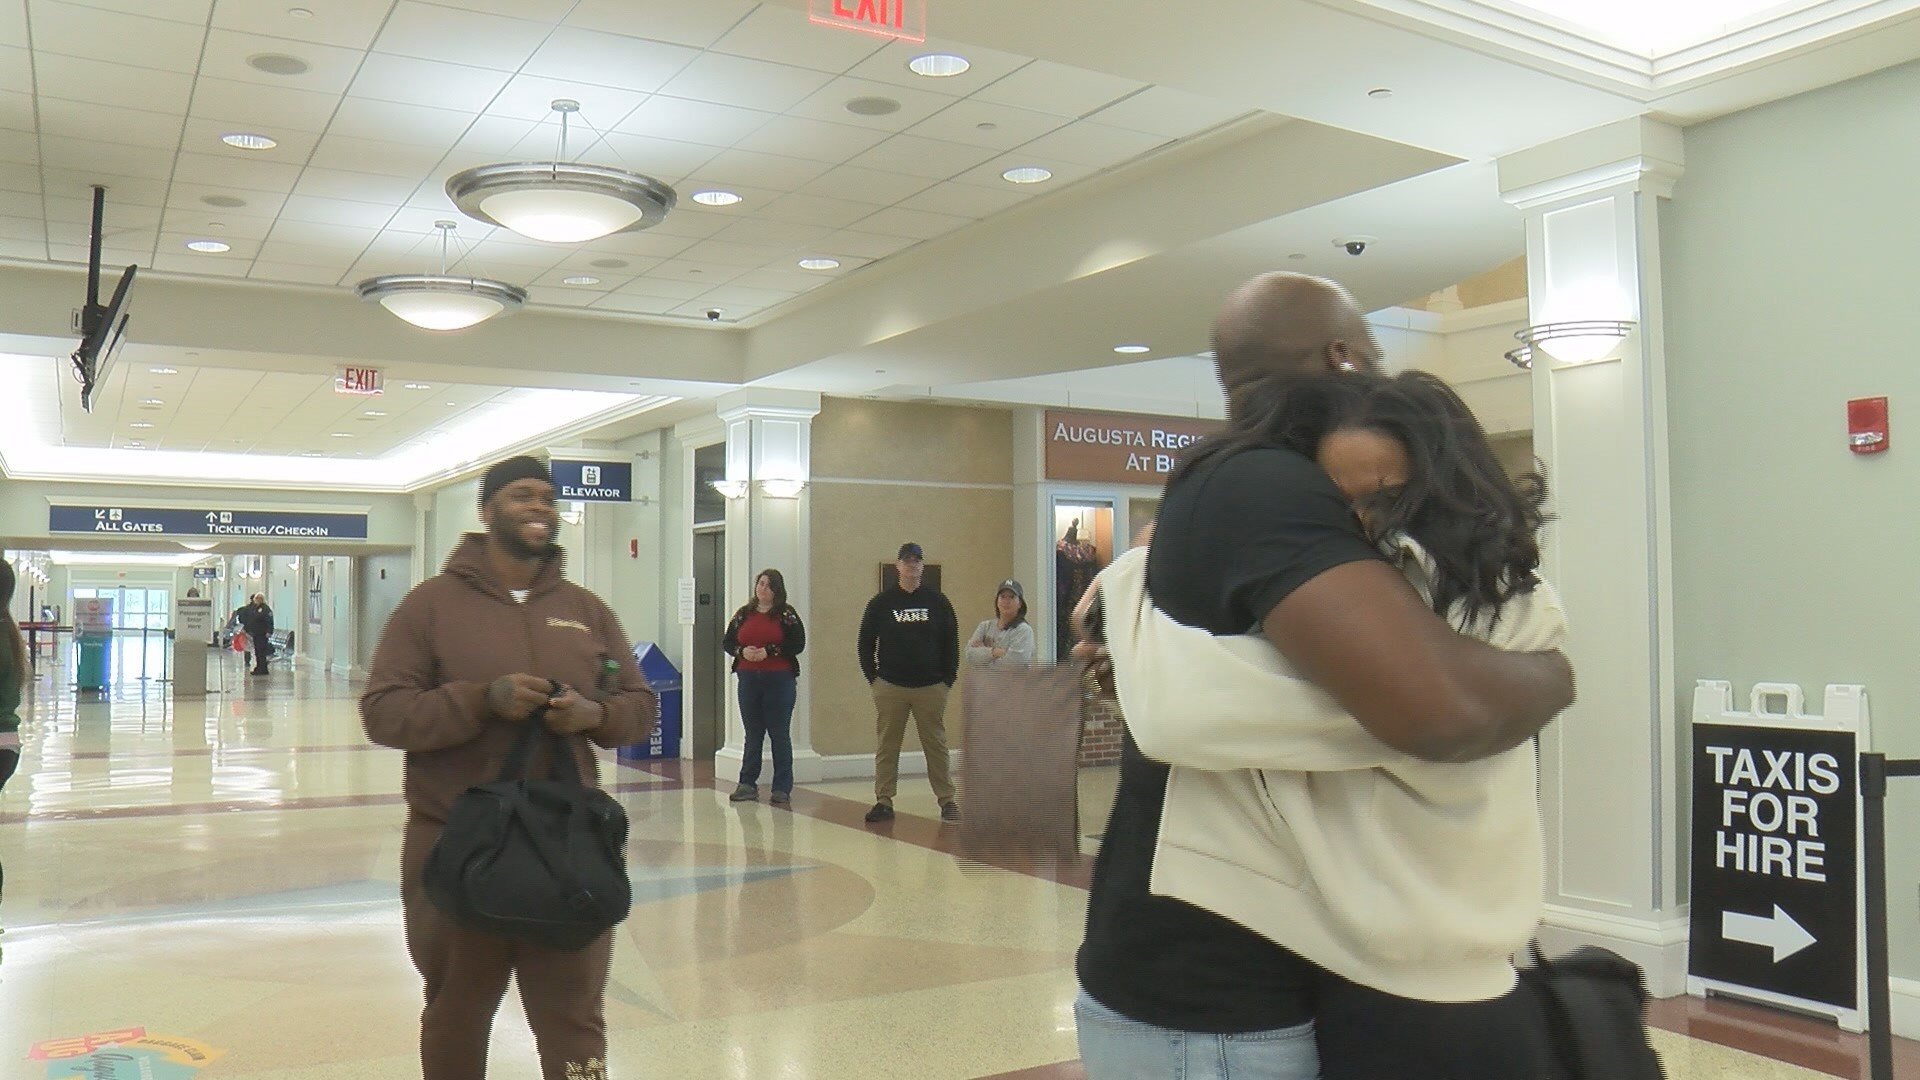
1780	933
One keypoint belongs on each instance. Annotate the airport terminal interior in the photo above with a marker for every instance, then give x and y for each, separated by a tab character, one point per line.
791	284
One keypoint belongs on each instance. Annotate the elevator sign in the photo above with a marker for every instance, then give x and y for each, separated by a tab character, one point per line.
1776	901
903	19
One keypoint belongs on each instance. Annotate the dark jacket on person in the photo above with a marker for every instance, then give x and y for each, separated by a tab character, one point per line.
910	639
456	633
794	637
256	620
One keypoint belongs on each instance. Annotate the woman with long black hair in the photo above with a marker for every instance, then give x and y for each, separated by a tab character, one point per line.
765	637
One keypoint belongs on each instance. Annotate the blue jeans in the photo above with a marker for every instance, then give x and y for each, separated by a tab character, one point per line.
766	708
1113	1047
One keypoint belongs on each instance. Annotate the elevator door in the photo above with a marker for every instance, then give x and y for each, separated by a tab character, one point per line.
705	726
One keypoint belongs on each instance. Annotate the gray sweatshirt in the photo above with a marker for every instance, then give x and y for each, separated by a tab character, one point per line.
988	636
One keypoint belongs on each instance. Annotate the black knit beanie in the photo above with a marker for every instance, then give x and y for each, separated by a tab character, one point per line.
506	472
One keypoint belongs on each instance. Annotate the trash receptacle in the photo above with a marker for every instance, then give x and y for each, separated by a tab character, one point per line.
96	658
665	680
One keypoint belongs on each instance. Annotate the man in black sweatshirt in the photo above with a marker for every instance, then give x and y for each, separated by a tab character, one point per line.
910	652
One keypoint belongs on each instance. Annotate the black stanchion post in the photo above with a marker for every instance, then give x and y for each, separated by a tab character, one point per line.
1873	831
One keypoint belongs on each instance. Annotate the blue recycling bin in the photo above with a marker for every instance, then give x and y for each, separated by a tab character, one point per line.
665	680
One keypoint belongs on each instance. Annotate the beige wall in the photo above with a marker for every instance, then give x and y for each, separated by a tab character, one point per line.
913	452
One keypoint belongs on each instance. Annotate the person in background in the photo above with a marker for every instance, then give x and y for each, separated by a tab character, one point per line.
765	638
468	659
13	681
910	654
256	618
1006	640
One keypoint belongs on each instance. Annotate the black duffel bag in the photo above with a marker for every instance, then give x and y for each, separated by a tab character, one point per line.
540	861
1595	1002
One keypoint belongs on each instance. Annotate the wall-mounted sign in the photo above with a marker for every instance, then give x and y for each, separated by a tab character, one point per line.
225	524
357	380
592	481
903	19
1119	448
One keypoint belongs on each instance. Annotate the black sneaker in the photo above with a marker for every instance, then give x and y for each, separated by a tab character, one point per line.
950	812
745	793
880	812
782	798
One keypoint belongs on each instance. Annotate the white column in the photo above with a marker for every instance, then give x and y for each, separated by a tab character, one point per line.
1611	768
421	566
769	447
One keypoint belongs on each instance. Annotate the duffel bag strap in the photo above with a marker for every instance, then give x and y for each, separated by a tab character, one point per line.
522	752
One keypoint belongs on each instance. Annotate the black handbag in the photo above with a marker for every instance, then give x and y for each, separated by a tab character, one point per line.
540	861
1596	1009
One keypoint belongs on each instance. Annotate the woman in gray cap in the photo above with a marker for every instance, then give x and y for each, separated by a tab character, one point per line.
1006	640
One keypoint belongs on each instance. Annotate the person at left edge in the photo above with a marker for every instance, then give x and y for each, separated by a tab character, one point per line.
464	662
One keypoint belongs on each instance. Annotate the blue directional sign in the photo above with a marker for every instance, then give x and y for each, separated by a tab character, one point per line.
592	481
219	523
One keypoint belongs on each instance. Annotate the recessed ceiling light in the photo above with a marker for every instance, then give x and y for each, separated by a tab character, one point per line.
1298	255
873	106
1027	174
373	412
151	403
1380	92
610	264
580	279
715	198
938	65
225	202
211	247
164	370
140	424
135	444
819	264
1131	349
243	140
300	12
449	403
277	64
341	435
418	386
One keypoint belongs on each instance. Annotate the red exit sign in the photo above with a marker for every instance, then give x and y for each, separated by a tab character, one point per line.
903	19
357	380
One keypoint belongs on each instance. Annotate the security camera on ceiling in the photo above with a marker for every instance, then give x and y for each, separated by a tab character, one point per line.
103	327
1355	245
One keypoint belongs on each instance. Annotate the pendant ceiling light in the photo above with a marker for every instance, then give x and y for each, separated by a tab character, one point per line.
442	301
559	201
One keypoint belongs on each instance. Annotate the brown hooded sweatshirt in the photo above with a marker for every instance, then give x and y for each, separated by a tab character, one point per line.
455	634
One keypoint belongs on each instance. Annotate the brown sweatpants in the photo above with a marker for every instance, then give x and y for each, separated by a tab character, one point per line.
466	976
891	706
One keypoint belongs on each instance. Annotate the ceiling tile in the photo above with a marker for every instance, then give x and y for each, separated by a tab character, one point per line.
786	36
745	256
1172	113
967	200
637	246
917	224
685	120
505	255
751	84
325	236
696	24
731	296
814	210
531	97
127	190
320	210
866	185
407	159
189	11
335	259
863	244
16	70
609	279
830	103
796	136
257	175
264	204
636	305
19	147
558	295
269	110
697	309
429	32
330	68
217	224
360	118
544	11
776	233
13	22
79	255
23	228
1088	143
989	174
16	110
21	203
602	59
176	243
186	262
293	273
1056	88
420	220
102	83
349	24
663	158
788	281
355	186
708	274
123	38
203	137
664	287
889	65
982	123
932	158
119	215
427	82
743	168
489	139
612	277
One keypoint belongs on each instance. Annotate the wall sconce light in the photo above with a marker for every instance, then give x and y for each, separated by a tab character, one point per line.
1579	342
783	489
730	489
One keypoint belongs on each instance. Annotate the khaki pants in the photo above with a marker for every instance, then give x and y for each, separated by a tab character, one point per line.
466	975
927	704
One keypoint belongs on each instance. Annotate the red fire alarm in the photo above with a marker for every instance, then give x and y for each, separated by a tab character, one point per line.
633	549
1867	431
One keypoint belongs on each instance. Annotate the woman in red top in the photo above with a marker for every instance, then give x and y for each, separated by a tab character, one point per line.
764	637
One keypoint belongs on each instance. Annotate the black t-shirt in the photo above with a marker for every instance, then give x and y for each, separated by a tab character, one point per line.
1233	538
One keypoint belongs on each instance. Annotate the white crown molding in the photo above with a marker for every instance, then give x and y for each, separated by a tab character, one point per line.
1638	173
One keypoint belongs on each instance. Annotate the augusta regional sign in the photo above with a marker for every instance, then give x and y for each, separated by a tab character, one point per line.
1119	448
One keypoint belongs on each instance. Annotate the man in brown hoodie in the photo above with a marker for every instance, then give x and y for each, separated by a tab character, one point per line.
463	663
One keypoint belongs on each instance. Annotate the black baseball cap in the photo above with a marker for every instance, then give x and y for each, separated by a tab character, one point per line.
1013	587
911	550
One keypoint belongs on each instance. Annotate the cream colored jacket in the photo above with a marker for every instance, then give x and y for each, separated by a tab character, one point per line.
1284	815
